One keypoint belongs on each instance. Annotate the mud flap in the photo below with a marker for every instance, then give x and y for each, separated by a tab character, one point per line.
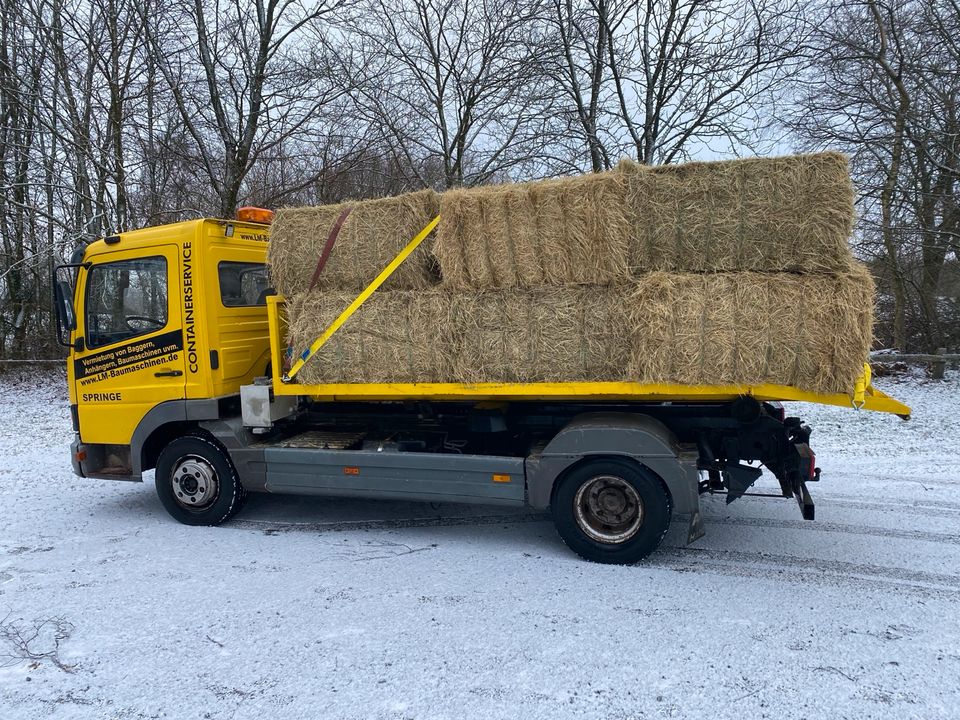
696	529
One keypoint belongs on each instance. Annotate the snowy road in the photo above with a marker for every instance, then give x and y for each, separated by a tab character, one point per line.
304	608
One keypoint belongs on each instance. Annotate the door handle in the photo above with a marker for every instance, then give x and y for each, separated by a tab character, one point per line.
168	373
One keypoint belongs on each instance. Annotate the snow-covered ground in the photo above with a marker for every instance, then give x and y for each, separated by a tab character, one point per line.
311	608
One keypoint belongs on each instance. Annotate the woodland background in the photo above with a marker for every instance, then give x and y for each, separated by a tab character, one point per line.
118	114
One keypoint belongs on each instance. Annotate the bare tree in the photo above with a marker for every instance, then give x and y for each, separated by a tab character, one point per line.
934	137
576	59
662	81
21	60
449	83
886	87
243	78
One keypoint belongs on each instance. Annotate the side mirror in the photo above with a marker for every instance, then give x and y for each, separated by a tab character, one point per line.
65	300
66	316
63	279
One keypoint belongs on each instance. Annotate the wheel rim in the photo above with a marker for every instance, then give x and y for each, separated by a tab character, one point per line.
608	509
195	483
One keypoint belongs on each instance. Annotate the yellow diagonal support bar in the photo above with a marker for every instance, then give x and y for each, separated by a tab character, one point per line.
861	386
361	298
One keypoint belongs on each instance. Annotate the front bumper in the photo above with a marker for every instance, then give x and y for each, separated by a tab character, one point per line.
94	461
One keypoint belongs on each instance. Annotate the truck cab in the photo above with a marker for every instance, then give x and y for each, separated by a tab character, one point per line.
169	323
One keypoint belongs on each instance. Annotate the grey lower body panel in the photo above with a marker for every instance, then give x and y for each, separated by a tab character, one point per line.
246	454
432	477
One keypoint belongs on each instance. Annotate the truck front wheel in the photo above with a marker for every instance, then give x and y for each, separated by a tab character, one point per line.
197	483
611	511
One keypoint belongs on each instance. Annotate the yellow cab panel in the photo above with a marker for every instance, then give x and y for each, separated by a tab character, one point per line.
129	337
168	313
235	276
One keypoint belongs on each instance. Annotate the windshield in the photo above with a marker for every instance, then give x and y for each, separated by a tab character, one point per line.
125	299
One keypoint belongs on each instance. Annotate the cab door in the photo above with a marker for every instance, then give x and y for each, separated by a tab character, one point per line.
130	329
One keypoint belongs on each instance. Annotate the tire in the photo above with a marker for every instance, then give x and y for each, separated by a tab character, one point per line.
197	483
611	511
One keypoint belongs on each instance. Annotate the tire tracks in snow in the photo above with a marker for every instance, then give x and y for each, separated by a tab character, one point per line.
269	527
833	527
933	509
806	570
273	527
749	564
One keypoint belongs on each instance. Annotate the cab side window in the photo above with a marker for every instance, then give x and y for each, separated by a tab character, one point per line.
125	299
242	284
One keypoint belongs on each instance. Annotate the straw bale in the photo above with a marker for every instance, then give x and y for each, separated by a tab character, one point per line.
810	331
395	336
846	325
789	214
546	335
526	235
372	235
560	334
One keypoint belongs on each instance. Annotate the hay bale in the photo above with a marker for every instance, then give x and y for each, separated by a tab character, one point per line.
810	331
396	336
544	335
789	214
372	235
554	232
846	324
561	334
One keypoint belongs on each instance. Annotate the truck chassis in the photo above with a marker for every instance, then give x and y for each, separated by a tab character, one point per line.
613	475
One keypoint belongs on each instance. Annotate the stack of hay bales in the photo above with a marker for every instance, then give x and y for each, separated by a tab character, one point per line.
373	233
732	272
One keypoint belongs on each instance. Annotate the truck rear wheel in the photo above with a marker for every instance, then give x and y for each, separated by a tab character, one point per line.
611	511
197	483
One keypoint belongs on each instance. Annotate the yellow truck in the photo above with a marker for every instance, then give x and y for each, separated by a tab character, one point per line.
178	363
